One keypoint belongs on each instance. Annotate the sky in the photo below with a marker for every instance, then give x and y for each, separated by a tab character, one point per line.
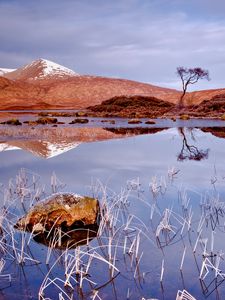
143	40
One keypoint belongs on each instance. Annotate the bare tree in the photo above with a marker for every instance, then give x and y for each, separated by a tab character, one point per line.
190	76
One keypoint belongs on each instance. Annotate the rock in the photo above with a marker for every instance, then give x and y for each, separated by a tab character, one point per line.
134	121
43	114
12	122
43	121
81	114
149	122
65	210
79	121
184	117
46	120
109	121
30	123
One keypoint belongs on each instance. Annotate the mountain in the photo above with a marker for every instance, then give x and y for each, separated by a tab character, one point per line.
43	84
39	70
3	71
23	89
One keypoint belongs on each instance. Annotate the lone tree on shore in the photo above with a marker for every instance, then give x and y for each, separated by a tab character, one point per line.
190	76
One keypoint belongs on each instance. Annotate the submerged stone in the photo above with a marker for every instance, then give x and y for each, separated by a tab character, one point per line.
64	211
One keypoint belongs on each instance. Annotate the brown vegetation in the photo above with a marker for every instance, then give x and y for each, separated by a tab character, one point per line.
211	107
132	107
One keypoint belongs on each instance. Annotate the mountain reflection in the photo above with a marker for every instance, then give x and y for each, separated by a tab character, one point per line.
50	142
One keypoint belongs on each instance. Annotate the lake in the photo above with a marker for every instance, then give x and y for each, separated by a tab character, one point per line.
163	193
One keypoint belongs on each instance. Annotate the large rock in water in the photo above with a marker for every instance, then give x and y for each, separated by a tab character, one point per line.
60	210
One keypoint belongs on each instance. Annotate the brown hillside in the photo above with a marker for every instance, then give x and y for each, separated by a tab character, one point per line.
79	92
197	97
74	93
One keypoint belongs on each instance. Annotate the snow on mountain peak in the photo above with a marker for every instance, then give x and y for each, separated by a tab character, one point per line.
41	69
48	69
4	71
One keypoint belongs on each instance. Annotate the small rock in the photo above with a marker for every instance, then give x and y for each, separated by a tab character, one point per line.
134	121
47	120
149	122
12	122
79	121
81	114
109	121
184	117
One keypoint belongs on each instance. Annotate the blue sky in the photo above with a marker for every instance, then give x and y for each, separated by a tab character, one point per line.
142	40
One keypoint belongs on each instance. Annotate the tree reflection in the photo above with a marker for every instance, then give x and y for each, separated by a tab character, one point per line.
188	151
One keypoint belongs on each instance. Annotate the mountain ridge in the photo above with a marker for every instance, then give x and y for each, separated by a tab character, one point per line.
43	84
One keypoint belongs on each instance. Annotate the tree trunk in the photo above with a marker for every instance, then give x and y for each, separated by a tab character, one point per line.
181	102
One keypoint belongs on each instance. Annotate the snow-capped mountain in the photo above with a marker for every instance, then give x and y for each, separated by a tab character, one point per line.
4	71
41	69
43	84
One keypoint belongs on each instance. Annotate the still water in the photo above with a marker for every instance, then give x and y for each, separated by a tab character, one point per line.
175	171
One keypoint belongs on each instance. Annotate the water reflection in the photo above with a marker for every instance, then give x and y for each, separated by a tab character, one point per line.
190	151
67	240
50	142
115	161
